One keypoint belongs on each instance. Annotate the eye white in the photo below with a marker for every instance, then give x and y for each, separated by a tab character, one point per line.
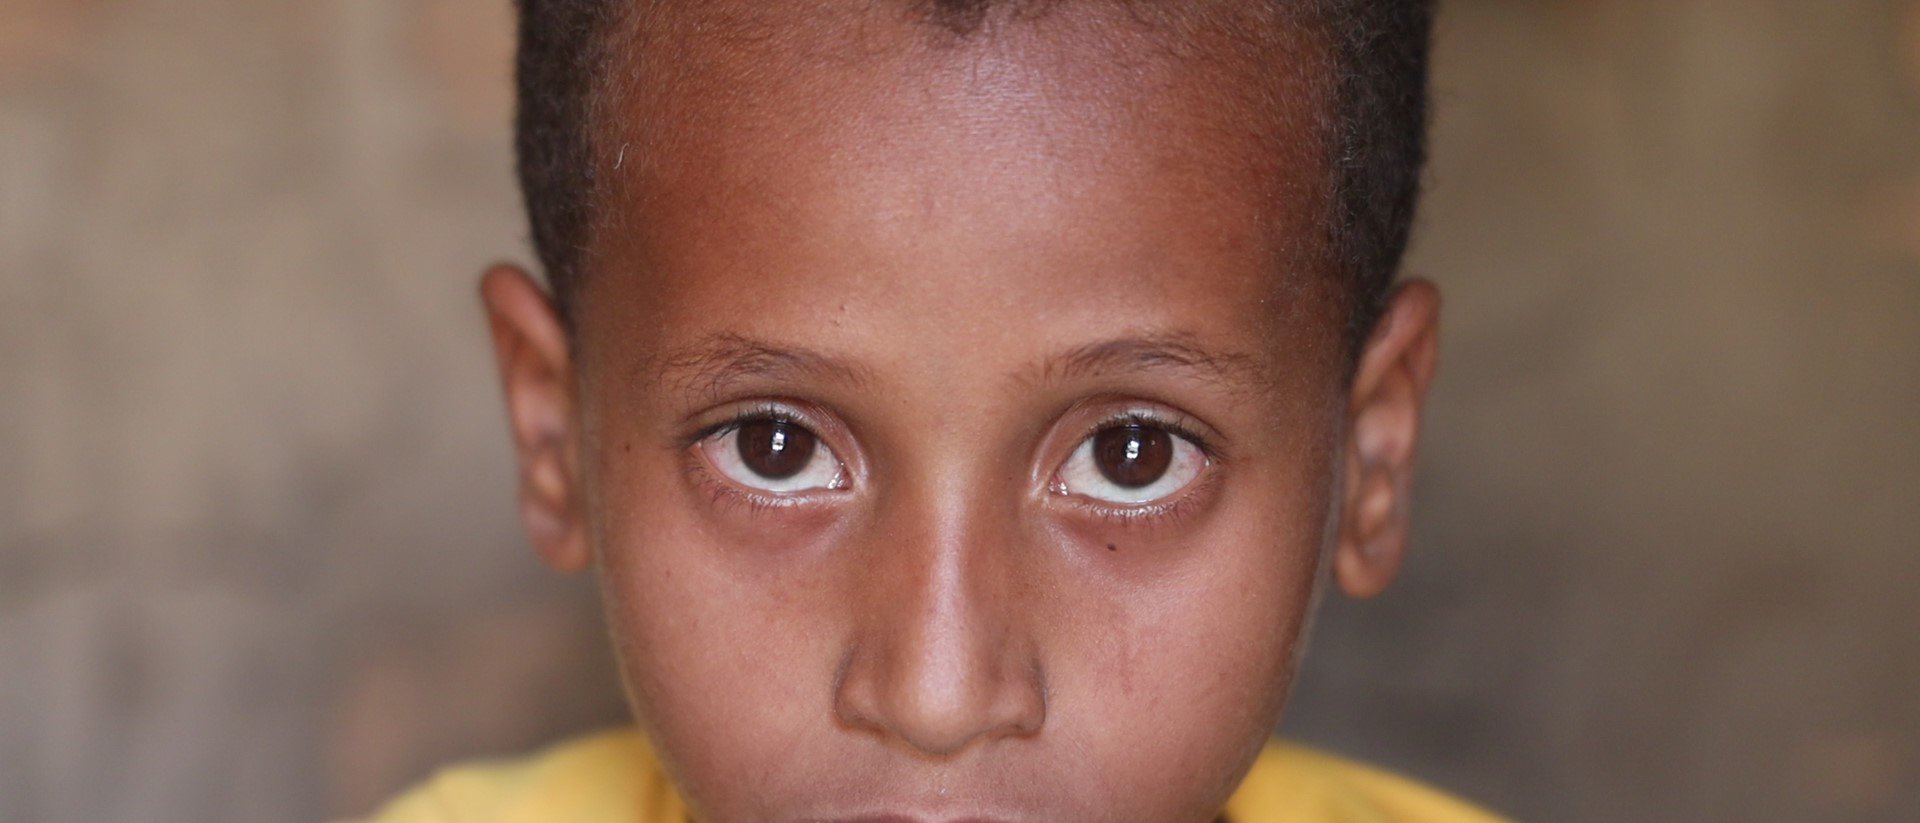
1082	476
823	470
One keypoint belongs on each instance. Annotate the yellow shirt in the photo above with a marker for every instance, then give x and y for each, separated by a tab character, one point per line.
612	777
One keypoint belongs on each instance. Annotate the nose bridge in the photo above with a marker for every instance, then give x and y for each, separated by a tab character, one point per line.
942	657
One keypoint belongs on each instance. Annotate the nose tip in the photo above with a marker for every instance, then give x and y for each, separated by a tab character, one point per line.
939	705
944	654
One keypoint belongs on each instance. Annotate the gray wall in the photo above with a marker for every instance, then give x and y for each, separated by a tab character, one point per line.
257	556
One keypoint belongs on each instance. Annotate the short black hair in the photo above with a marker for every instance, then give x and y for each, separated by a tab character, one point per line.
1378	128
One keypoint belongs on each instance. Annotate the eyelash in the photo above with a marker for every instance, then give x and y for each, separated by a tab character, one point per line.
722	493
761	412
718	489
1169	423
1151	514
1143	516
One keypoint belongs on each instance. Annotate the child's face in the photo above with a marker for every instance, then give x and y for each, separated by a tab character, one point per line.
958	431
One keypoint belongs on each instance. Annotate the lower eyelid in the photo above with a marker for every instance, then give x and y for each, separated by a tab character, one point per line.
1194	496
720	491
1137	518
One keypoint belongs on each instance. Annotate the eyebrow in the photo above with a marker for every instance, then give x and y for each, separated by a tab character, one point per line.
1177	351
710	367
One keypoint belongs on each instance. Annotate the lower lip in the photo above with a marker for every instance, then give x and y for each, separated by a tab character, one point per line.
898	818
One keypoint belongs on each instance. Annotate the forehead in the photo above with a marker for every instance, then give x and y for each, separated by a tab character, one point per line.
726	93
851	148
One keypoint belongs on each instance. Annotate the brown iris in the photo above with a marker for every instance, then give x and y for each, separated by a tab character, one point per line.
775	449
1133	456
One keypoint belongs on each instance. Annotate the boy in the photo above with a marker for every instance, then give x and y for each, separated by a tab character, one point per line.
959	401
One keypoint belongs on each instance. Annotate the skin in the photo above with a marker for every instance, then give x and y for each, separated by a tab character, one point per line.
953	261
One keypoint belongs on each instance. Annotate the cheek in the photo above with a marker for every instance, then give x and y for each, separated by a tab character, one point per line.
724	649
1187	674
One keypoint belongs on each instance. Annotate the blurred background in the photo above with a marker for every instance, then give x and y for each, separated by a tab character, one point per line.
258	558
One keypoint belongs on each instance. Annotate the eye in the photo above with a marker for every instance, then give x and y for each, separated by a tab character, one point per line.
1131	463
773	455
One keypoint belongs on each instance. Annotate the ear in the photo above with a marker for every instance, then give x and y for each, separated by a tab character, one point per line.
1383	427
536	371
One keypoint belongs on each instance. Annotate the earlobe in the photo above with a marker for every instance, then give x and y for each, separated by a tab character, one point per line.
1388	395
536	375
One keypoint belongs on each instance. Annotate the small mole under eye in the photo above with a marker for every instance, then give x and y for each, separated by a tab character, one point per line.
1112	548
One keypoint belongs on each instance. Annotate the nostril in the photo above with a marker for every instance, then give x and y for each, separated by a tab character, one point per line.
939	712
854	703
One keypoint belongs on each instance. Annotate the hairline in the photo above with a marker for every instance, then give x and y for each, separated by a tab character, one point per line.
1361	268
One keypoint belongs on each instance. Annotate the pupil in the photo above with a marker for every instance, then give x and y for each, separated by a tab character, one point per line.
775	449
1133	456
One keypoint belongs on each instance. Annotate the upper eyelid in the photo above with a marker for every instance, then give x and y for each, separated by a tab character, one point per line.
1184	425
1180	425
754	410
829	432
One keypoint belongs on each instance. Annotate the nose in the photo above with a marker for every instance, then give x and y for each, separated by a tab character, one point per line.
940	660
